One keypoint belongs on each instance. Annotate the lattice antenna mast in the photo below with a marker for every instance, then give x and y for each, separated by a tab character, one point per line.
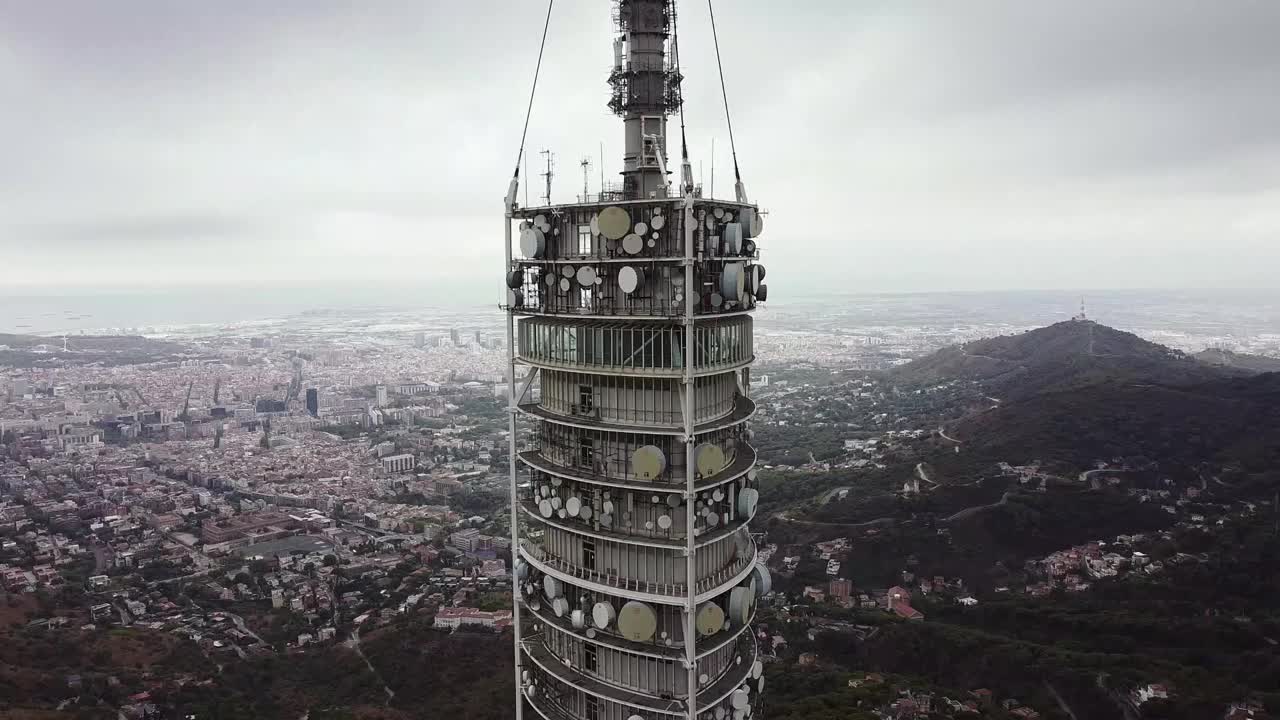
586	173
550	173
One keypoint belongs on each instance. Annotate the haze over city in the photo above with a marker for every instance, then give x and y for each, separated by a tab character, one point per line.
899	146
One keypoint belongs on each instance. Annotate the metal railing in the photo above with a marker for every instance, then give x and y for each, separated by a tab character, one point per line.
720	577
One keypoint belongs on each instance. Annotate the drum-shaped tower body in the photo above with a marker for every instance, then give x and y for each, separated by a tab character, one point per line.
630	329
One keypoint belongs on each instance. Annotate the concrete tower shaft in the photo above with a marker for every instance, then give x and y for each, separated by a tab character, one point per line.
646	88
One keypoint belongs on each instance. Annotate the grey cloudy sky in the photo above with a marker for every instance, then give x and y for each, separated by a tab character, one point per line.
899	146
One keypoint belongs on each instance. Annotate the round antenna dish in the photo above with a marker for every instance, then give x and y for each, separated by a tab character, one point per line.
747	218
515	298
573	506
532	243
552	587
614	223
717	494
740	699
565	284
641	228
567	271
585	513
740	599
560	606
762	293
757	669
673	500
733	282
658	222
602	615
545	509
747	500
586	275
633	244
763	580
637	622
578	619
733	238
515	279
710	619
664	522
630	279
648	462
708	459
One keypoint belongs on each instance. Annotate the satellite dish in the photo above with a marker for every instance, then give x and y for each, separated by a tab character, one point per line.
708	459
710	619
658	222
757	224
591	633
578	619
762	293
614	223
607	506
749	247
602	615
539	220
733	238
740	699
740	599
713	520
760	684
573	506
648	462
747	218
586	275
560	606
633	244
545	509
532	243
562	514
606	520
515	279
522	570
719	213
630	279
567	271
673	500
637	622
762	579
585	513
757	670
641	228
556	503
515	298
664	522
717	494
733	282
552	587
565	284
747	500
556	482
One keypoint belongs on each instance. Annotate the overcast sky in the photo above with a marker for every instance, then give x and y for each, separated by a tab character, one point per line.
899	146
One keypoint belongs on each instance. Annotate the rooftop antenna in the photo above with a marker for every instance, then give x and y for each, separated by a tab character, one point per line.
600	159
550	173
712	195
586	169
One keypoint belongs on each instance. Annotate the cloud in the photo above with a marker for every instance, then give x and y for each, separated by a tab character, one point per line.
907	145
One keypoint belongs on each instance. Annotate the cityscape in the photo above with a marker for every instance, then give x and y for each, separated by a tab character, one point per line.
281	440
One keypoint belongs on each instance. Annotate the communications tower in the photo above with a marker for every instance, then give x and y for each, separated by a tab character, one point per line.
633	481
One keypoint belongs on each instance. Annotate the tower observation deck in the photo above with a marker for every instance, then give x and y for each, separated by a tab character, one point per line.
633	477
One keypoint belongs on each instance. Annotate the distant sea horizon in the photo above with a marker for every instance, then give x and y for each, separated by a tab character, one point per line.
49	312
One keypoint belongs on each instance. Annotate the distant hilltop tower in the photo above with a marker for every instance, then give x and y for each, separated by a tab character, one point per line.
634	479
1082	317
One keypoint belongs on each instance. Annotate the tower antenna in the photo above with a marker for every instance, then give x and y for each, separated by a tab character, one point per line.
550	173
586	170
